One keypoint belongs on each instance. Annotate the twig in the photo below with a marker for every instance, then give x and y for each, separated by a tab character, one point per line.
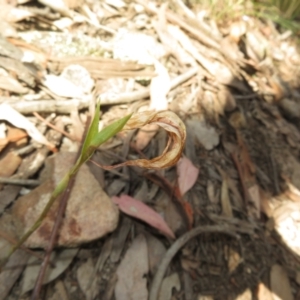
158	277
54	127
58	221
64	106
16	181
137	95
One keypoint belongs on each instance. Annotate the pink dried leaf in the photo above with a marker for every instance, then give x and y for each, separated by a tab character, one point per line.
187	175
141	211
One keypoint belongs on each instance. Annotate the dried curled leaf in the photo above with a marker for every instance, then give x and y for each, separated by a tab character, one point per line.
177	135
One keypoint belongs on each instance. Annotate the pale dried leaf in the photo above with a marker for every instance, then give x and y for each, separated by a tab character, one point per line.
280	284
60	258
80	77
263	293
13	268
246	295
204	133
88	284
132	283
139	210
13	14
187	174
255	198
57	5
159	88
169	283
225	200
12	85
62	87
156	252
12	116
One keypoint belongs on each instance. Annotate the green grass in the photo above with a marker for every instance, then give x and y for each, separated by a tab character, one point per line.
285	13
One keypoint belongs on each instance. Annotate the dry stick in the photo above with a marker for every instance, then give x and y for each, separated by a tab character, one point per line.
158	277
17	181
198	34
55	127
58	221
64	106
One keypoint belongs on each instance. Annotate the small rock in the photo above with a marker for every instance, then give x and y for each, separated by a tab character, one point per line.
90	214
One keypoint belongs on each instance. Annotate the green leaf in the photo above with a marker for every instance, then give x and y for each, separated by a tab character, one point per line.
109	132
93	130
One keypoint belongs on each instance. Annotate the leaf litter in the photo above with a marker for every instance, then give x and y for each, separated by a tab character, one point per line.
233	85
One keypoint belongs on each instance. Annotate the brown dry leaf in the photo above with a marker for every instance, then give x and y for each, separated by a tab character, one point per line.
90	213
11	115
16	135
132	283
3	143
177	136
9	164
280	284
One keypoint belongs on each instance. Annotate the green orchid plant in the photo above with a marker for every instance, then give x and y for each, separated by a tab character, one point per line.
93	140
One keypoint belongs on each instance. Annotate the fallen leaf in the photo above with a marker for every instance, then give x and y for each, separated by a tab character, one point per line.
13	14
280	284
88	284
263	293
132	282
61	259
159	88
80	77
141	211
13	268
62	87
12	85
156	251
167	286
246	295
9	164
256	199
206	135
187	175
225	200
15	118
